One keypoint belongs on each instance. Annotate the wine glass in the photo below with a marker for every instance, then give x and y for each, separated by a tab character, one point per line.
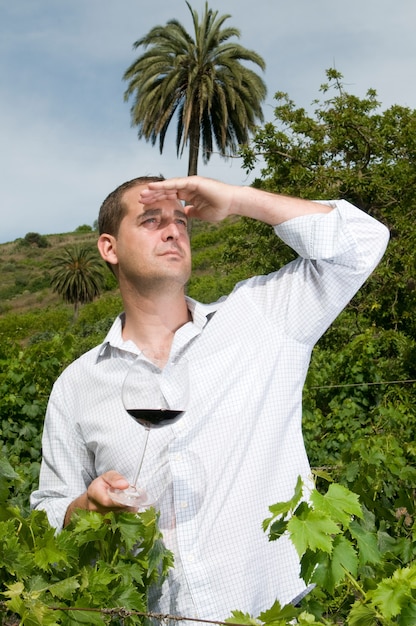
154	398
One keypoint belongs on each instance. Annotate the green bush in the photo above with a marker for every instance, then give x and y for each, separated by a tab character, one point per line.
85	573
34	239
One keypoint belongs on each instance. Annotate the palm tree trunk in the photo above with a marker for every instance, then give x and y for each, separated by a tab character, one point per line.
76	310
194	138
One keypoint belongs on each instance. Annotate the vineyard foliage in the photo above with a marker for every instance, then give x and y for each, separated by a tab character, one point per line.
356	535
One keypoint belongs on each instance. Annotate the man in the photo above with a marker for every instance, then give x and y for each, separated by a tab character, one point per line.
239	447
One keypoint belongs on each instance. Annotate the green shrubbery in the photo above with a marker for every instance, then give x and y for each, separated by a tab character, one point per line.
34	240
359	426
97	563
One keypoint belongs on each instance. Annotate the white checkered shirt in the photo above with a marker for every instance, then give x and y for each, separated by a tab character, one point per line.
239	446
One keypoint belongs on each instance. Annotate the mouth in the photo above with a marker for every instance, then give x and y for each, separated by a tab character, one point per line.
172	252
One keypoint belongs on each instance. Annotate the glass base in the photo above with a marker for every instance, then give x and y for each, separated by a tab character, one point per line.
135	498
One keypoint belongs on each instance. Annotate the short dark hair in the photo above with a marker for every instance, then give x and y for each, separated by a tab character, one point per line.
113	209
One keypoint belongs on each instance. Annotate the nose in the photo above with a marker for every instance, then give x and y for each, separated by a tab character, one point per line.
171	231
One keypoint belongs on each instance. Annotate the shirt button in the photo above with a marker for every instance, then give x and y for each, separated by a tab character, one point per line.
191	557
177	456
184	504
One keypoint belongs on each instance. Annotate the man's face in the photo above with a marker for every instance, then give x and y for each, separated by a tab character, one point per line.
152	245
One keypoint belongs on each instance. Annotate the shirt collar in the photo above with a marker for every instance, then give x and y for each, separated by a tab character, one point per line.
201	315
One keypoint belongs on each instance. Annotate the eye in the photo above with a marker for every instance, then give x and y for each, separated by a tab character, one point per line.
182	221
151	222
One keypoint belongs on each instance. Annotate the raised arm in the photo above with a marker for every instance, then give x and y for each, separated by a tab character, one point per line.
213	201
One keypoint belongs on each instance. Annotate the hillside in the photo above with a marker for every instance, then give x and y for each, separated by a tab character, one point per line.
25	270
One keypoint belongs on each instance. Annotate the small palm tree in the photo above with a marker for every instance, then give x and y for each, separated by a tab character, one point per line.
77	276
201	79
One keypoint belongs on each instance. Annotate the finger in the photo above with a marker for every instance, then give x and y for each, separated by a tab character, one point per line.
159	192
181	188
114	479
149	196
171	183
98	492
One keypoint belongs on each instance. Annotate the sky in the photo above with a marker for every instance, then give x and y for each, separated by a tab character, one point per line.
65	131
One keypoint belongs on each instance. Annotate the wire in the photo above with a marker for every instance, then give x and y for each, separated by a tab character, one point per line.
384	382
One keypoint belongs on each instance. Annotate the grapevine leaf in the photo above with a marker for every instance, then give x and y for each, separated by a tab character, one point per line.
131	599
156	553
242	618
322	574
15	604
283	508
352	470
36	585
386	542
102	576
12	557
313	531
308	564
362	615
331	568
318	473
390	598
131	529
408	614
48	552
6	470
307	619
277	612
344	558
64	589
405	549
392	594
32	611
14	590
130	572
366	542
38	526
338	503
89	527
277	529
7	474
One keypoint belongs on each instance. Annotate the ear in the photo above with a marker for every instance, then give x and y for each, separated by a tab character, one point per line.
106	245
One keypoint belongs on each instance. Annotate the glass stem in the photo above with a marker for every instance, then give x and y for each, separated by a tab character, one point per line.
136	476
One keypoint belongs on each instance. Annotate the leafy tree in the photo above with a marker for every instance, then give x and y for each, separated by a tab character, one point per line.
84	228
345	149
348	149
201	79
34	239
77	276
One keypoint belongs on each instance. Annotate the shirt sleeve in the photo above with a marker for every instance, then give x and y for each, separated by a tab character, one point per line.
337	253
331	236
67	466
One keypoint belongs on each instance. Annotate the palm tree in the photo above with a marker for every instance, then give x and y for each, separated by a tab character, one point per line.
77	276
203	80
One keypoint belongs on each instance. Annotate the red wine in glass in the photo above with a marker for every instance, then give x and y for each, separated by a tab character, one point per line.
154	398
155	418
